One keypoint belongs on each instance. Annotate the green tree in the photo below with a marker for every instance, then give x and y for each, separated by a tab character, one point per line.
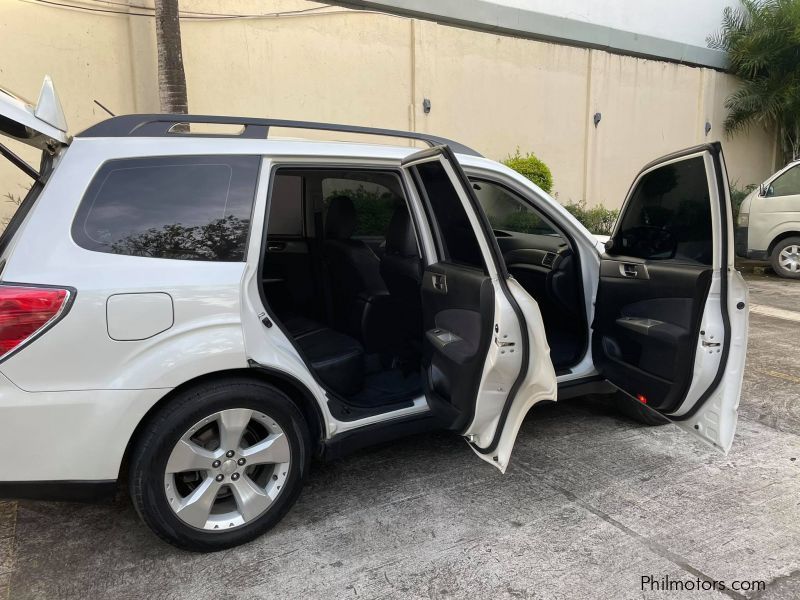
762	39
530	166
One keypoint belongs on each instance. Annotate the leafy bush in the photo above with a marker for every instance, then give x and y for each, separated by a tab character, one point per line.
532	168
597	219
520	222
738	195
373	209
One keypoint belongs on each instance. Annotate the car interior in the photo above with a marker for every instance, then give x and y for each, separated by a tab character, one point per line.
343	275
542	259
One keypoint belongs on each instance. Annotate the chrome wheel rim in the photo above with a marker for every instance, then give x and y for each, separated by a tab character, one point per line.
227	469
789	258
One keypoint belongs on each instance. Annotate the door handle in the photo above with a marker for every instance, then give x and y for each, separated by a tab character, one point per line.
629	270
276	246
501	344
439	282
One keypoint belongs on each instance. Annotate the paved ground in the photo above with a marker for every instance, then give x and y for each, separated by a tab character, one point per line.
591	503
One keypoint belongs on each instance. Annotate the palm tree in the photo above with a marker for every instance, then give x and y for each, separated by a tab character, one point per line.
171	77
762	39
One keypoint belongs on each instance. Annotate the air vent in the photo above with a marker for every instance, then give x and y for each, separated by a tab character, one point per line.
549	259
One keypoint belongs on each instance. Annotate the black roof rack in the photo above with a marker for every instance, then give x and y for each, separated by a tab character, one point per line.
160	125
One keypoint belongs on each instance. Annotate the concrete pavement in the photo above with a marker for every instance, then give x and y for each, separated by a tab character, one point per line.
592	502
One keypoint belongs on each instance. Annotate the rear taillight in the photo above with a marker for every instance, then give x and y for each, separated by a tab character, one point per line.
27	311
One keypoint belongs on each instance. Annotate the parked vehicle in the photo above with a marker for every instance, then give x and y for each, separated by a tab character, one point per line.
768	227
208	311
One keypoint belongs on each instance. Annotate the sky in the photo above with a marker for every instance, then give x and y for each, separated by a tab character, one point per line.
687	21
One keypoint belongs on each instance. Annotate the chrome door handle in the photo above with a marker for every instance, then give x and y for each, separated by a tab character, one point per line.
502	344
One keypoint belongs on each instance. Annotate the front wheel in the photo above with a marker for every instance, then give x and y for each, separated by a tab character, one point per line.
785	258
220	464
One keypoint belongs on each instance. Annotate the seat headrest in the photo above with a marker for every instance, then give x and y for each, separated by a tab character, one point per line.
340	222
400	238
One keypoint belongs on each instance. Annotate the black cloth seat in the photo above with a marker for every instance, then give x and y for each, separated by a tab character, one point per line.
400	266
352	267
337	359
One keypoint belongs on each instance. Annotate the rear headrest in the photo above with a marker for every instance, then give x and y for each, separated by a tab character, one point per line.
400	238
341	220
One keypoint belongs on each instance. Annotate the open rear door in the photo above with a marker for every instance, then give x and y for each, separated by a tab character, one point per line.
42	126
671	314
485	355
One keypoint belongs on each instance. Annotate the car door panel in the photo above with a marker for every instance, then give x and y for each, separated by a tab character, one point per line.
480	347
646	326
670	326
458	316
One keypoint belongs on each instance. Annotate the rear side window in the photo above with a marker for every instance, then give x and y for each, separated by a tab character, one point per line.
187	207
460	244
669	215
286	206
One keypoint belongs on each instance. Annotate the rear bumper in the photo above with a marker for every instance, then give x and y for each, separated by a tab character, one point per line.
740	242
49	439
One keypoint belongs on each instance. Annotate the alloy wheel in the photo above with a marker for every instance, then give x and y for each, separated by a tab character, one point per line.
227	469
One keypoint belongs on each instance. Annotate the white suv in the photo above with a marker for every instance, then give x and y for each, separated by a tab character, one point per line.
207	311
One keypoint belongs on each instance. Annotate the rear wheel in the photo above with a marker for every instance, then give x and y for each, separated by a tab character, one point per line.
220	464
785	258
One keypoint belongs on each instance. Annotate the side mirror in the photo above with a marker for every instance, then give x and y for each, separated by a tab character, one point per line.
610	245
762	190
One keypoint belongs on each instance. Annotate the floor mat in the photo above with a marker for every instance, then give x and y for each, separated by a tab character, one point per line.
387	387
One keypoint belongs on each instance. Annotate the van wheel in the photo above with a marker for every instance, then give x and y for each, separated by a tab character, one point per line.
220	464
785	258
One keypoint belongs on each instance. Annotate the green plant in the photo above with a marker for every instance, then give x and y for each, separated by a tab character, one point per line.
597	219
532	168
738	195
373	209
762	39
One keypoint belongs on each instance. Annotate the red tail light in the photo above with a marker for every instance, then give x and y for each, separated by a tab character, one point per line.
26	311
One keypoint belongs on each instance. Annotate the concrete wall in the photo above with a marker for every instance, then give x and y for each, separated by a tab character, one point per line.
495	93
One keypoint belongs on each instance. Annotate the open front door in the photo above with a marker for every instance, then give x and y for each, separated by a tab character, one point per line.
670	324
485	355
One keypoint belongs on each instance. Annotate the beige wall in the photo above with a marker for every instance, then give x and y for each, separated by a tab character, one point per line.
492	92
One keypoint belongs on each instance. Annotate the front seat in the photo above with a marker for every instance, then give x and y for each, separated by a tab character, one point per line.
353	268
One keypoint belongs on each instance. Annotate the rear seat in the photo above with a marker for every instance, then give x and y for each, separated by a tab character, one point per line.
337	359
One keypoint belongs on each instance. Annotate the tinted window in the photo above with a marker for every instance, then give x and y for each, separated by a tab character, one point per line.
286	206
374	203
787	184
457	237
508	212
190	208
669	215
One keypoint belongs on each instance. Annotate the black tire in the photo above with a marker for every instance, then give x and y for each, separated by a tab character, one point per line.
155	443
774	258
632	408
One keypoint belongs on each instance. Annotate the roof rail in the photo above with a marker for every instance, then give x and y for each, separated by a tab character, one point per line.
160	125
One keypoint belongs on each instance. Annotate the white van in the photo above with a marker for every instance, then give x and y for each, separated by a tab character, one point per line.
768	227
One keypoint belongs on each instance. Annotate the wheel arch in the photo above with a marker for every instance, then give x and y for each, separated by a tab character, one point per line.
780	237
297	392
